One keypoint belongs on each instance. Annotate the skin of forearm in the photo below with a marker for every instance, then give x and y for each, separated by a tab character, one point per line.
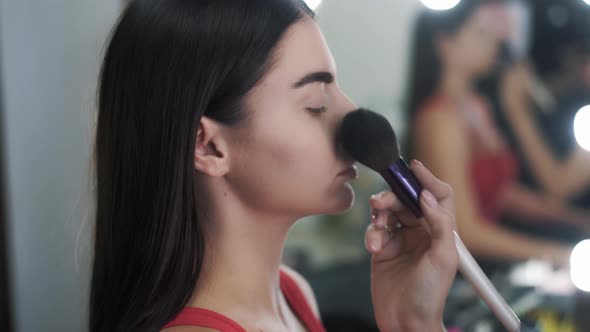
536	207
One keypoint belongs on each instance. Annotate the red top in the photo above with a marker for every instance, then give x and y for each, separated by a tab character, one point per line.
490	175
190	316
490	170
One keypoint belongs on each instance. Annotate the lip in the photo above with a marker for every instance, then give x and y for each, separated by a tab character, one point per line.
351	172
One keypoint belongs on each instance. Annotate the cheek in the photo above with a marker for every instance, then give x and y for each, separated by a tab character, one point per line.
281	141
305	166
489	53
308	166
290	166
300	153
480	54
464	52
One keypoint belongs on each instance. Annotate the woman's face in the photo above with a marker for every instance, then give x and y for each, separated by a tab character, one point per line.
284	158
474	48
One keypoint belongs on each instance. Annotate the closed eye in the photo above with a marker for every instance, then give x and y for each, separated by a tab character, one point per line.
317	110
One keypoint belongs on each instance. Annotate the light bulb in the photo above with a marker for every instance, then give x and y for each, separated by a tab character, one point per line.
314	4
441	4
582	127
580	267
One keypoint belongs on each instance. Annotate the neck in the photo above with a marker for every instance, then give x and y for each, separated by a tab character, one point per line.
242	258
455	85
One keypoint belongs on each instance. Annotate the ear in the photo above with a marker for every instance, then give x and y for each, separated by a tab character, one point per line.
211	153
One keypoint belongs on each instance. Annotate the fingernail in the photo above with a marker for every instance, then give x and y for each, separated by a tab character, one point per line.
374	245
417	162
377	196
429	199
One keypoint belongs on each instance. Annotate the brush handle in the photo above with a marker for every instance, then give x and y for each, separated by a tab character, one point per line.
404	184
484	287
407	188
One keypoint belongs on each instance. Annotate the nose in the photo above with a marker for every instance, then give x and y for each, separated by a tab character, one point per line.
347	104
342	106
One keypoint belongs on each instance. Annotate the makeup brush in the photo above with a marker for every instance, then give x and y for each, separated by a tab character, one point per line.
369	138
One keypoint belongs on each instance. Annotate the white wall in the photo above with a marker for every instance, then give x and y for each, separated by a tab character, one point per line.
49	65
369	40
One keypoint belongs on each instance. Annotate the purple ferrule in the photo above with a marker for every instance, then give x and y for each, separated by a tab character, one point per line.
404	185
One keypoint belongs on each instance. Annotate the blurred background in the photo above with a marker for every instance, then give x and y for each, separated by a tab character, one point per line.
507	81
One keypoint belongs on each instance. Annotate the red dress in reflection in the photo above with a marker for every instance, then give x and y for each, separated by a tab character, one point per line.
491	170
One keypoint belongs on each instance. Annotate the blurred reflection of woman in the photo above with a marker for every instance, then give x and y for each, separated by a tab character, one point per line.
560	73
452	131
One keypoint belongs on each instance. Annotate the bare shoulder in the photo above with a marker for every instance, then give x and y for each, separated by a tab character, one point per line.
189	329
443	127
440	116
304	286
441	141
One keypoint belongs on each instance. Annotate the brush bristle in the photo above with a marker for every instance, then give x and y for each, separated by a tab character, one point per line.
369	138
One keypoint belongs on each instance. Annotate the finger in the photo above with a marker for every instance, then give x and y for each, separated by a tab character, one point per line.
406	218
376	239
438	188
439	221
387	203
387	219
379	218
386	200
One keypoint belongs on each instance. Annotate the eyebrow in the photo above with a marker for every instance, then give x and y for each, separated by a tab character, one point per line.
324	77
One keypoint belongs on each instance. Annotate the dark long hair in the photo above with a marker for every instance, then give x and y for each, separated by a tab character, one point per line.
426	68
168	63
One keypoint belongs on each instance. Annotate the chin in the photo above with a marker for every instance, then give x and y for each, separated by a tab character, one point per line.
342	201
